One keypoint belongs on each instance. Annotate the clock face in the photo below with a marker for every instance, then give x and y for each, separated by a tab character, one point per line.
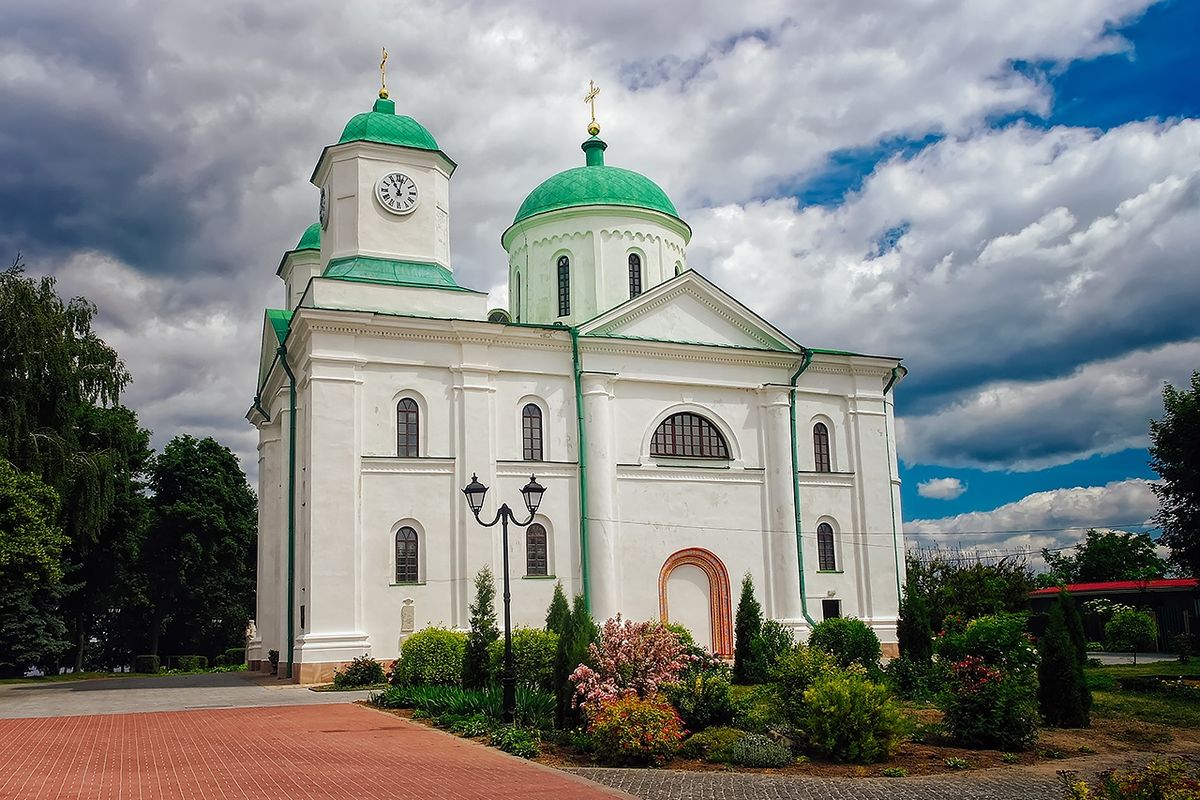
324	208
397	192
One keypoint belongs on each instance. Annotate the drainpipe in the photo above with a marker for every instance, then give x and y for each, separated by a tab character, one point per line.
583	496
898	372
291	553
804	364
258	407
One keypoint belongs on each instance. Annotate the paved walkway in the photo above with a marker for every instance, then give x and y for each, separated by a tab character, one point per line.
331	752
158	693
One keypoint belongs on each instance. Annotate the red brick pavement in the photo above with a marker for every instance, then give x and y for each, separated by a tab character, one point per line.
282	753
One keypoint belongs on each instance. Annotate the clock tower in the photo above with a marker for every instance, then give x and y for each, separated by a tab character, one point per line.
385	192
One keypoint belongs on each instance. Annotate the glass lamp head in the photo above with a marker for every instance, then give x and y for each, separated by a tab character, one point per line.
475	492
533	492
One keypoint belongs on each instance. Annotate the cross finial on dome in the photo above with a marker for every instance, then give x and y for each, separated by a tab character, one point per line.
590	98
383	92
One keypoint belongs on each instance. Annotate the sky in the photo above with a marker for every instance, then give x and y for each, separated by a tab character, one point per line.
1006	195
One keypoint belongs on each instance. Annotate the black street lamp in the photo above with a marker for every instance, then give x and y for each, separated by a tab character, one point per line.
532	492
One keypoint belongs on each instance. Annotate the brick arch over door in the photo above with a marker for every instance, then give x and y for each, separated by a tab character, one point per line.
718	594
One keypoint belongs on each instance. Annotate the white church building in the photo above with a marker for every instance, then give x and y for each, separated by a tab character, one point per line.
683	440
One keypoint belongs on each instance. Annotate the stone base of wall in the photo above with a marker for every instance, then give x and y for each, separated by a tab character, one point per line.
890	649
256	665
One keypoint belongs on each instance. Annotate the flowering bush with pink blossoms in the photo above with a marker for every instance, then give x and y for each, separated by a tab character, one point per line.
630	658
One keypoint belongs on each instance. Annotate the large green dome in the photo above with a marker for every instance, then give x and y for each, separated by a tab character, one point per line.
385	126
595	185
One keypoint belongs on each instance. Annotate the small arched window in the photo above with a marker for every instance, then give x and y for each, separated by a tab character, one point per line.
406	555
531	433
564	286
536	562
821	447
678	267
826	560
517	298
407	428
688	435
635	275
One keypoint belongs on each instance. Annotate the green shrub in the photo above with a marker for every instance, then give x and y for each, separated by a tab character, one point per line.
848	640
984	706
630	730
1000	640
756	750
1161	779
515	740
1130	630
362	671
850	718
431	657
533	652
702	700
235	655
914	629
579	631
912	680
773	641
190	663
895	772
747	627
473	726
794	672
476	669
711	744
393	697
146	664
535	709
757	708
273	659
1063	694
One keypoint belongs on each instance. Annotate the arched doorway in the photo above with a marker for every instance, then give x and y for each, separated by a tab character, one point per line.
697	582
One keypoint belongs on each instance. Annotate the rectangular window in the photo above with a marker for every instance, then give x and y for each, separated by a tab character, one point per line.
831	609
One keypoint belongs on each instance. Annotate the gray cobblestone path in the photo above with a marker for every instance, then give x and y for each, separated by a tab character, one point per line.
1013	783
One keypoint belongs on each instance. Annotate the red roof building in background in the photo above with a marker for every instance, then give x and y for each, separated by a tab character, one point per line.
1115	587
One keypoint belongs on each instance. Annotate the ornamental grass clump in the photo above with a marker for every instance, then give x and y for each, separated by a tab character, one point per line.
629	657
628	729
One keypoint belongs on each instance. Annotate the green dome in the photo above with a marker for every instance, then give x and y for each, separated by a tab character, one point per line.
595	185
383	125
311	240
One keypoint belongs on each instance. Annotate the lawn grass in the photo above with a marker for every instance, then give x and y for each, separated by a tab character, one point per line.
1110	702
73	676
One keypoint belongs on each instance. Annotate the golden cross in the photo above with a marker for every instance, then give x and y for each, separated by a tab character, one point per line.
383	92
590	98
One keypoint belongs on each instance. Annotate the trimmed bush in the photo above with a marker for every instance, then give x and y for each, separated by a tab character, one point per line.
533	658
795	671
987	707
711	744
431	657
630	730
190	663
702	700
147	665
517	741
756	750
235	655
850	718
848	640
362	671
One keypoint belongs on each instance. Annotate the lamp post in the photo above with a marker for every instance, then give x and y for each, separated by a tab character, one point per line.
532	492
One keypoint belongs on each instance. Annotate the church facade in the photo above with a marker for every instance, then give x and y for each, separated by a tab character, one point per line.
683	440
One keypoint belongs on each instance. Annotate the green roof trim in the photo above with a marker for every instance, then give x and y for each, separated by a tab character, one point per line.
391	272
383	125
595	185
311	239
280	321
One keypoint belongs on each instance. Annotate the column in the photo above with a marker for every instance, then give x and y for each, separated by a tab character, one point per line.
603	530
779	541
473	545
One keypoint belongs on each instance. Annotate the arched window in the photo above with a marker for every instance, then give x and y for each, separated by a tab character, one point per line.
517	298
821	447
689	435
678	267
635	275
407	428
536	562
826	560
531	433
564	286
406	555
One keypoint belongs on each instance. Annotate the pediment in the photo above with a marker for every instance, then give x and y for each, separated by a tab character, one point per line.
690	309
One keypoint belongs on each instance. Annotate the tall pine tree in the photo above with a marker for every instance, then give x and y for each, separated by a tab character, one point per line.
1063	694
477	671
747	628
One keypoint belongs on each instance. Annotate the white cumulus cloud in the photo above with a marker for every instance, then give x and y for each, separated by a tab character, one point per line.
941	488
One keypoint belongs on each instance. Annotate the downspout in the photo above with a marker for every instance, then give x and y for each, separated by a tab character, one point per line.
583	496
258	407
291	553
804	364
897	372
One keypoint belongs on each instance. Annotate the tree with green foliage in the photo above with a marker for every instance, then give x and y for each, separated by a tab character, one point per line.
199	554
579	630
1130	630
1175	456
31	546
477	666
913	630
559	612
1063	694
967	587
1105	556
1074	621
747	627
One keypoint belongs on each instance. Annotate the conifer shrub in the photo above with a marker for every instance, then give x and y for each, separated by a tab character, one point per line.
914	629
431	657
1063	694
477	667
577	635
746	628
773	641
533	651
558	615
627	729
702	700
848	640
984	706
362	671
849	718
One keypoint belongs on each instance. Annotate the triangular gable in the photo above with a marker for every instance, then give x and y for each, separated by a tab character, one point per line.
689	309
275	328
